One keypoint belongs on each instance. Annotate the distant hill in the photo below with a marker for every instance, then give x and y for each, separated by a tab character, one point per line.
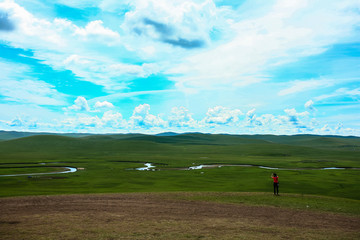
166	134
314	141
182	149
9	135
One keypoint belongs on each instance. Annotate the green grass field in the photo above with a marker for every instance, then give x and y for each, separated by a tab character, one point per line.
106	160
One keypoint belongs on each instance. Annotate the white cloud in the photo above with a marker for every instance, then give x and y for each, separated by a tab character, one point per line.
17	122
28	113
294	116
82	122
143	119
276	38
300	86
96	31
86	51
104	104
144	70
290	123
222	115
15	86
91	69
31	91
270	121
22	123
326	129
181	117
114	76
110	122
80	104
31	32
340	92
286	33
169	21
353	92
76	59
251	118
113	120
310	105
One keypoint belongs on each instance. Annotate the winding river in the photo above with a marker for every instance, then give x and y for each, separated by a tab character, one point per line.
150	167
68	170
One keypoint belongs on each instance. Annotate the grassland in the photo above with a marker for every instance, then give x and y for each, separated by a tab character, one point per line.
230	202
107	158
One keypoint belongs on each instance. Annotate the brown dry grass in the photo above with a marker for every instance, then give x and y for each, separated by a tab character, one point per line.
162	216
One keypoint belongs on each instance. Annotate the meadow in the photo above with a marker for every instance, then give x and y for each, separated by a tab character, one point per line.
107	165
108	162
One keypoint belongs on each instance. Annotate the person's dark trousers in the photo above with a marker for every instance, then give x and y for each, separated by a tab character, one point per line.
276	188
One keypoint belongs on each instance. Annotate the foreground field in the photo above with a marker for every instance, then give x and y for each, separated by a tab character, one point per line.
165	216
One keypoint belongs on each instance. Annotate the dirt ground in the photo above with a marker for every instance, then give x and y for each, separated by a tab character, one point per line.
162	216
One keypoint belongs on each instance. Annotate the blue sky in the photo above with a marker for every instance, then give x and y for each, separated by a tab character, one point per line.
150	66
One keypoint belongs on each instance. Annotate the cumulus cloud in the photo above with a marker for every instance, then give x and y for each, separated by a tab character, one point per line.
143	119
113	120
96	30
110	121
104	104
294	116
326	129
222	115
251	118
292	122
80	104
181	117
82	122
271	122
21	123
310	105
17	122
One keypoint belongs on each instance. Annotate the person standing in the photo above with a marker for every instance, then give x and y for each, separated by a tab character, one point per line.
275	177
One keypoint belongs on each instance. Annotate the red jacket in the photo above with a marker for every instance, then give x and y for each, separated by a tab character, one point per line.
276	179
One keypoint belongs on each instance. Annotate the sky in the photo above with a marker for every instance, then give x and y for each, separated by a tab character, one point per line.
151	66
